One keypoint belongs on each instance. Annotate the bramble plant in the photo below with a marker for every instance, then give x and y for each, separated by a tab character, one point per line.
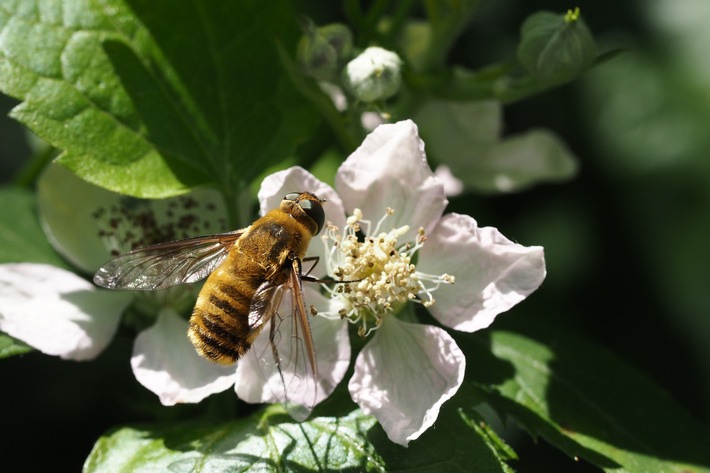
160	123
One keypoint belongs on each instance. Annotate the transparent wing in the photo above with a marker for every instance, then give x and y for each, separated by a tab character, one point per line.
284	351
167	264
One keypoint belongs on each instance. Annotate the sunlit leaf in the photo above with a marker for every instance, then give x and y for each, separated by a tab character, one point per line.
320	444
272	441
151	100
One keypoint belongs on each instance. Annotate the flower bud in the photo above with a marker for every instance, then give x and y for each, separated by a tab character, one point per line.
322	51
556	48
374	75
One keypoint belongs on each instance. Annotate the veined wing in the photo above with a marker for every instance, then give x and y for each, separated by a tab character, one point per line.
284	351
167	264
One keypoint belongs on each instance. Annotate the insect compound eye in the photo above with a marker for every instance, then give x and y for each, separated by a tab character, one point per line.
292	196
315	211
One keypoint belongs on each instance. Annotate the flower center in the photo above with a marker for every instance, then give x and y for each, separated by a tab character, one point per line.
381	268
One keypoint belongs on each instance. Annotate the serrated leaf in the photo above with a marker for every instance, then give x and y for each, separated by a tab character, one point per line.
271	441
151	100
589	404
10	346
249	445
21	237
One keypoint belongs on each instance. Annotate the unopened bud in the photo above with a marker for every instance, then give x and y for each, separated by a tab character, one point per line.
322	51
374	75
556	48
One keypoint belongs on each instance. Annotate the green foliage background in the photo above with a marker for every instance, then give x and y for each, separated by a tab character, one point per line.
626	248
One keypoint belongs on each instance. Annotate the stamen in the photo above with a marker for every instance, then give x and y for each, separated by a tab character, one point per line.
382	270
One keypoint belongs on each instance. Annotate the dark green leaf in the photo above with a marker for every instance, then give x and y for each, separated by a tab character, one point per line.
501	449
21	237
459	441
588	403
10	346
151	100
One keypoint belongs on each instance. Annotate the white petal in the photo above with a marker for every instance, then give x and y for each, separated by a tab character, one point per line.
297	179
165	362
69	208
250	384
56	311
332	344
452	185
492	273
332	347
390	169
404	375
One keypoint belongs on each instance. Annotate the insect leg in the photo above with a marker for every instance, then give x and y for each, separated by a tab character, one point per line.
277	358
315	260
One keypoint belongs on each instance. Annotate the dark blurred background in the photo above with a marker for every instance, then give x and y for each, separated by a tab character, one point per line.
626	241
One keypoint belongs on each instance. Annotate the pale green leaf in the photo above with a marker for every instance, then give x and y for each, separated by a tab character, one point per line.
466	136
518	162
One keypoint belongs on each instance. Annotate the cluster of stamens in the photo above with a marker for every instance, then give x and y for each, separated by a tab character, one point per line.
381	269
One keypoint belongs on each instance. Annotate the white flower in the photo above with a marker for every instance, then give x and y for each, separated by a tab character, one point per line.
387	213
386	233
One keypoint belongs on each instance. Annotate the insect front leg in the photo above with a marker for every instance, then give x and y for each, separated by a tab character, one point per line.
326	280
308	259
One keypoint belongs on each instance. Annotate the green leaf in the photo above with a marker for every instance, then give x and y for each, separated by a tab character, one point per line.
263	442
502	450
10	346
271	441
21	237
459	441
588	403
151	100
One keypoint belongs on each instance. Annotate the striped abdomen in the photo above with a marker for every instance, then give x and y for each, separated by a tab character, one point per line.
219	326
